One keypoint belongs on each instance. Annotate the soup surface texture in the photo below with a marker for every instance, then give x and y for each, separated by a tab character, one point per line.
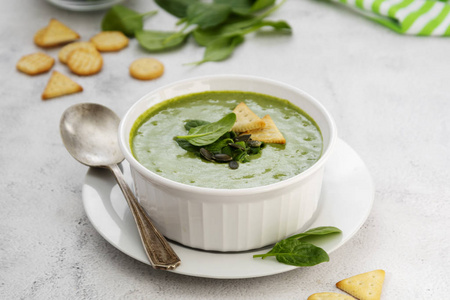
153	145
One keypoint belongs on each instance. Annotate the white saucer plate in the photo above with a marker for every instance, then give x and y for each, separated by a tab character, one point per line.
346	201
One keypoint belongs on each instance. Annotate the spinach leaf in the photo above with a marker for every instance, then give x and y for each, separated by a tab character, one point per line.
178	8
121	18
220	49
187	146
294	252
246	7
207	15
262	4
237	26
209	133
297	253
159	40
194	123
218	145
323	230
237	6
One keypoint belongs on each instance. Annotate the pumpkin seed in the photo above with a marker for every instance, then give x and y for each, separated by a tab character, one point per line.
254	144
233	164
206	154
220	157
242	138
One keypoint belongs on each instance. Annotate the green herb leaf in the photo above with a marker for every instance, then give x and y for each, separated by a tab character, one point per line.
178	8
194	123
207	15
297	253
245	26
218	145
291	251
323	230
121	18
159	40
209	133
246	7
220	49
187	146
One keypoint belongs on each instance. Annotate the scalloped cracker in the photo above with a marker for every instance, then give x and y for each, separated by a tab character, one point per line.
85	62
330	296
365	286
35	63
146	68
269	134
60	85
65	51
246	119
56	33
107	41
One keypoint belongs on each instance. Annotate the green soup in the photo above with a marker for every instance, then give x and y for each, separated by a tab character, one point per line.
152	141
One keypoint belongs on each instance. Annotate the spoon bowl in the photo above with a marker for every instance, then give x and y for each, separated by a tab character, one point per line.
89	133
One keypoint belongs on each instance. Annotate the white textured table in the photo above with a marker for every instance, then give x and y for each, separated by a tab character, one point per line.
389	95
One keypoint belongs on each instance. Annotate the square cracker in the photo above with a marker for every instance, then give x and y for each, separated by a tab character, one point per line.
54	34
60	85
246	119
268	134
330	296
365	286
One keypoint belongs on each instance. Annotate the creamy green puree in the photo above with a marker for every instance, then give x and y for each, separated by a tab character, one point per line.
152	141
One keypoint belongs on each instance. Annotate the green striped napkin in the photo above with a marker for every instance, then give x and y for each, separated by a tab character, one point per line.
415	17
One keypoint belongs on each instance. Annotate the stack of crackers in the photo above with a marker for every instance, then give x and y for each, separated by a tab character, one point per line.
260	129
83	58
365	286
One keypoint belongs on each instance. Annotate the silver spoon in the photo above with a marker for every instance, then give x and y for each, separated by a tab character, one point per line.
89	133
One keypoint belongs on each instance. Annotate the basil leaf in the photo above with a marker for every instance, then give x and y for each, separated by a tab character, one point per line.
297	253
121	18
159	40
178	8
323	230
207	15
194	123
220	49
209	133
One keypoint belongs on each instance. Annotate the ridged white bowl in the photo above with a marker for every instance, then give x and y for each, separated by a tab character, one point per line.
234	219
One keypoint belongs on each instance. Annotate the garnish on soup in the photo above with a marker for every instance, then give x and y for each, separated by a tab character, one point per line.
231	139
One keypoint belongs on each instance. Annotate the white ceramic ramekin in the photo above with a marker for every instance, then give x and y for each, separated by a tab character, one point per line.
235	219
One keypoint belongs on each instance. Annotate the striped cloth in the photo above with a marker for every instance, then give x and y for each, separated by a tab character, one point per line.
414	17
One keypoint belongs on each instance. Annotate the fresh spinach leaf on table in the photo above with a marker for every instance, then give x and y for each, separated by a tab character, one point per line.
152	40
207	15
294	252
178	8
121	18
220	49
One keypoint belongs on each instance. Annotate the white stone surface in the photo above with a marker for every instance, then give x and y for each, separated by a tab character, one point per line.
388	93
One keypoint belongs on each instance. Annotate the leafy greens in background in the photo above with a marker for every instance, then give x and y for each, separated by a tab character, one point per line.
121	18
292	251
219	26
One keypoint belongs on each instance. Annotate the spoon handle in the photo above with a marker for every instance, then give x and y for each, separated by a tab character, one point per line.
158	250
